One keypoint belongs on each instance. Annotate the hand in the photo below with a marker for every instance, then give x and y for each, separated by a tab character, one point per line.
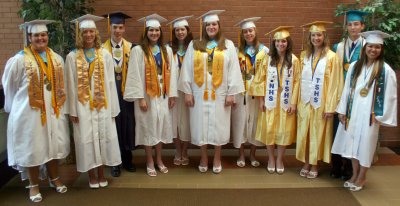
171	102
342	118
327	115
143	105
189	100
74	120
261	105
292	109
229	100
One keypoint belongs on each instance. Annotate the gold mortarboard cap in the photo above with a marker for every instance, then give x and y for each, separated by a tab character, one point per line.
317	26
281	32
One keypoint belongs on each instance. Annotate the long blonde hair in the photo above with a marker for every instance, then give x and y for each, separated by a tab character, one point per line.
309	47
80	44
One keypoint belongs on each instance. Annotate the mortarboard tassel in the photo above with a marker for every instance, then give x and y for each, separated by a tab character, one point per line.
170	33
76	32
108	25
201	28
144	27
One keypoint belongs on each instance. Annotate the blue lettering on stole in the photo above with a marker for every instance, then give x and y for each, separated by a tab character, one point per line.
285	101
270	98
271	86
285	95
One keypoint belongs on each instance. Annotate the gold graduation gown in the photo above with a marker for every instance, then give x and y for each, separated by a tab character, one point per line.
312	128
276	126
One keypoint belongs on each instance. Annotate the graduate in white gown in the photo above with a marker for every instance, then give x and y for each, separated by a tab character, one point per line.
93	102
369	100
181	36
251	54
152	83
210	78
35	96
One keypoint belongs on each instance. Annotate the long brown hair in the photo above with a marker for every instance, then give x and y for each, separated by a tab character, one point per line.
201	45
309	47
144	42
80	44
363	61
243	43
273	53
175	42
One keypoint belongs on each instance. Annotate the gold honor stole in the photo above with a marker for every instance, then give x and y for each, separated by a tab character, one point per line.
247	68
217	71
151	76
55	76
125	59
96	69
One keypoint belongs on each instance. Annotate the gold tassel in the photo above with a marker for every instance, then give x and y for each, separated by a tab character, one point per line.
201	28
144	27
76	32
170	33
239	32
205	97
213	94
108	25
24	29
302	39
270	41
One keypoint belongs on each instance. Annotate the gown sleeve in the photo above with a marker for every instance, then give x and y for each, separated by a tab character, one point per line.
113	96
389	117
235	81
186	75
134	83
11	80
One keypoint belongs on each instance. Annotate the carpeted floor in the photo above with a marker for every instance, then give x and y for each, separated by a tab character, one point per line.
16	196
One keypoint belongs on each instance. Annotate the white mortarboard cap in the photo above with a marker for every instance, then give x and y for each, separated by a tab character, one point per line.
211	16
375	37
37	26
180	21
87	21
248	23
153	20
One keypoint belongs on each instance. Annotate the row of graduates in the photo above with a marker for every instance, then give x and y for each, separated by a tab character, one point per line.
218	86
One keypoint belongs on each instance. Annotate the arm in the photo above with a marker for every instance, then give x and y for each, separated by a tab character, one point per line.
113	102
389	117
11	80
134	83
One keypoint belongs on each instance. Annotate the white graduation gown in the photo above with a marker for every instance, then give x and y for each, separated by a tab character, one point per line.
244	117
180	113
96	140
154	125
210	120
29	143
359	140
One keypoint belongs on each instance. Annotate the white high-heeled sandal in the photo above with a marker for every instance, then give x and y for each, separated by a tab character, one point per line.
37	197
60	189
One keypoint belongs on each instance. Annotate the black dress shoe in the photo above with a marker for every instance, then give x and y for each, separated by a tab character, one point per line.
115	171
130	167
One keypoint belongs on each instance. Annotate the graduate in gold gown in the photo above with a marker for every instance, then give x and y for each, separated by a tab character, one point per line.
277	85
320	88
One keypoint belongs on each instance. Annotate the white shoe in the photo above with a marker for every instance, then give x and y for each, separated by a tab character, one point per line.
217	170
37	197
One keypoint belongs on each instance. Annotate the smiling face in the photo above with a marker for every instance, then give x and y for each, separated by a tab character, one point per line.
153	34
317	39
354	28
249	35
373	51
39	41
117	31
89	37
212	29
181	33
281	45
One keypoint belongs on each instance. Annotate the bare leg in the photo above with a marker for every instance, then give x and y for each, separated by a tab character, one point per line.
52	168
253	149
149	157
204	156
178	148
159	155
185	149
356	168
33	175
271	158
217	156
241	153
100	172
362	176
279	160
92	176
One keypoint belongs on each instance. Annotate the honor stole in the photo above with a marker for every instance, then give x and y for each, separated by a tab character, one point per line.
54	74
125	59
247	68
85	72
151	76
278	78
217	71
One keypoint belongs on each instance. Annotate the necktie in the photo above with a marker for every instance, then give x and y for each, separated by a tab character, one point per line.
117	46
353	45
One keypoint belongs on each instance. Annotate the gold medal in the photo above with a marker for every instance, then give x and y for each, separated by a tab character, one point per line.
89	54
364	92
119	78
346	66
248	76
118	69
48	87
117	53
